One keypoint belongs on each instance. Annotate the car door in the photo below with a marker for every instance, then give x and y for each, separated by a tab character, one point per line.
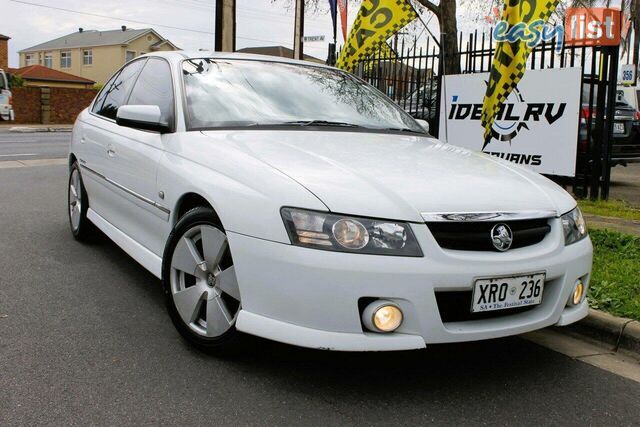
97	133
133	158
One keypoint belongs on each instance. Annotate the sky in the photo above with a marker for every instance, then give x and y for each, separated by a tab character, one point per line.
259	22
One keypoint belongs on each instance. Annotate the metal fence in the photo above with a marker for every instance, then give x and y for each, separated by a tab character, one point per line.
410	74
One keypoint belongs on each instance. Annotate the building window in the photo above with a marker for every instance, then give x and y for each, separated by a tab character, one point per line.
87	57
30	59
48	60
130	56
65	59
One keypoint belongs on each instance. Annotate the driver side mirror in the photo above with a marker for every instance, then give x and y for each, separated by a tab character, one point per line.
143	117
424	124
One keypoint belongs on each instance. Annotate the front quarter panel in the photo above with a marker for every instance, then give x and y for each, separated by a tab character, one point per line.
246	193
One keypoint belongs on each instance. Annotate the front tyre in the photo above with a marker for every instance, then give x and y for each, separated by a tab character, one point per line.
78	203
199	280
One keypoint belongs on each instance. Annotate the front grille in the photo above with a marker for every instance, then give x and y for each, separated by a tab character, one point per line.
455	306
476	236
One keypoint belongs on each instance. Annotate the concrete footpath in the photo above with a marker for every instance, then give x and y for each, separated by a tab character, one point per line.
621	225
616	333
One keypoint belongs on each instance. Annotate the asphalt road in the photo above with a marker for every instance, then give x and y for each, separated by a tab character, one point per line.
85	339
28	146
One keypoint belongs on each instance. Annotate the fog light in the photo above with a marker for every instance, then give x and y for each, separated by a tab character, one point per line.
382	316
578	293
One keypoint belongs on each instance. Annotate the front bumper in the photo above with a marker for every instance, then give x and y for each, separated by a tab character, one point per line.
310	297
6	113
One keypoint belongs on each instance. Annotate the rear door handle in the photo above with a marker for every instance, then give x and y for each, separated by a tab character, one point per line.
110	151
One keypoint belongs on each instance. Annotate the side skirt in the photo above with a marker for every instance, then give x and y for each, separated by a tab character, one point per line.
142	255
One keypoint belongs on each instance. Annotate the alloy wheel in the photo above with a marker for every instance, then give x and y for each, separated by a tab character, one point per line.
203	281
75	199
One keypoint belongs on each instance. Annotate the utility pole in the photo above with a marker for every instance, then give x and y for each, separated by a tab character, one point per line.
331	58
298	32
225	33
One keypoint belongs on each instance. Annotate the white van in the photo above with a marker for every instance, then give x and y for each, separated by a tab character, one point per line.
630	95
6	107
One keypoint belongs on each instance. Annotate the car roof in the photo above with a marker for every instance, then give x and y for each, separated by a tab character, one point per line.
198	54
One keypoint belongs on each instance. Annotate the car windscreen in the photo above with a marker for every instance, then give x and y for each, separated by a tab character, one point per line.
238	93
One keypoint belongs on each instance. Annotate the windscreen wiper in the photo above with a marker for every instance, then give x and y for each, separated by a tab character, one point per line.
402	130
321	123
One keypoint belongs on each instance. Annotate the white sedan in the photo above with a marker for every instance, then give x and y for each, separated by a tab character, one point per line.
295	202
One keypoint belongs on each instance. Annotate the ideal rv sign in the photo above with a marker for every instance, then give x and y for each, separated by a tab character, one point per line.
537	127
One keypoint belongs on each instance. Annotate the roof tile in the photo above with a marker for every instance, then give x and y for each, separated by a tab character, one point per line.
38	72
89	38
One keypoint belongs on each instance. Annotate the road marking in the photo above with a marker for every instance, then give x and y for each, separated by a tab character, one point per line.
10	164
18	155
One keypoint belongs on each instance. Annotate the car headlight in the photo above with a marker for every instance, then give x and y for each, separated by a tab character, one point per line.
323	230
575	229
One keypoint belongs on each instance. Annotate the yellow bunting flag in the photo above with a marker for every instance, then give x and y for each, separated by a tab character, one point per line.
510	60
377	21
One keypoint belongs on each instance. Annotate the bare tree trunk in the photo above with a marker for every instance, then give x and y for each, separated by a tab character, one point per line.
449	28
636	34
446	14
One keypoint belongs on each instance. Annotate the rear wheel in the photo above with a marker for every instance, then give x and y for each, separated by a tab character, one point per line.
78	203
198	275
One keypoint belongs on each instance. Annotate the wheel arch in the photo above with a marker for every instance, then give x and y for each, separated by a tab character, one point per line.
72	160
192	200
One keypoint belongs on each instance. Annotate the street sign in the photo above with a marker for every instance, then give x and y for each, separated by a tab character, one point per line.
308	39
627	74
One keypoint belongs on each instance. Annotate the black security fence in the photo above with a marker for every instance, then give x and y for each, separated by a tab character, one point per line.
410	74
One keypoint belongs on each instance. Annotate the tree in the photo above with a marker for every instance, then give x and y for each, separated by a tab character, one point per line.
17	81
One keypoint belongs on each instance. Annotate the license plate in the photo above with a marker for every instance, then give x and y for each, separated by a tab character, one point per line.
507	292
618	128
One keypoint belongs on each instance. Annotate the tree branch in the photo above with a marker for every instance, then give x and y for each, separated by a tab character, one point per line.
431	6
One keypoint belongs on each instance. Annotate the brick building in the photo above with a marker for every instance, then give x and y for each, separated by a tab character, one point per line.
4	52
93	54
